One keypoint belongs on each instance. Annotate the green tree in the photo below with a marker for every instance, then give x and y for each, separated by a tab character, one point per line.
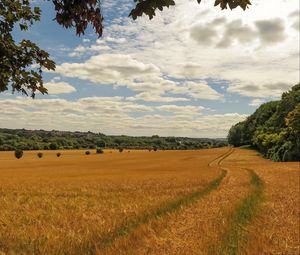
235	135
18	154
17	59
274	128
293	120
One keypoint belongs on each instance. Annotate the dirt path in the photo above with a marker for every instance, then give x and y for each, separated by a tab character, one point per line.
193	229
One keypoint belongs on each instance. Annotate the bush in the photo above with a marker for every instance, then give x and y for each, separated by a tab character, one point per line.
40	155
99	151
53	146
18	154
58	154
149	150
87	153
121	149
155	148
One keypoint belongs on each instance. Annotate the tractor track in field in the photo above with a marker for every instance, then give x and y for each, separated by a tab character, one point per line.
129	226
221	158
195	228
234	235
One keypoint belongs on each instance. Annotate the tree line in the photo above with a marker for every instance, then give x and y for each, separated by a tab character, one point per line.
273	129
12	139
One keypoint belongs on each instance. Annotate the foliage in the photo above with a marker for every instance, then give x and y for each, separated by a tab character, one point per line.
293	120
78	14
99	151
58	154
121	149
17	59
22	63
87	153
45	140
40	154
274	128
53	146
149	7
18	154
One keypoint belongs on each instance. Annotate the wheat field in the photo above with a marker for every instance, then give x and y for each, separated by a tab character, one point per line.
214	201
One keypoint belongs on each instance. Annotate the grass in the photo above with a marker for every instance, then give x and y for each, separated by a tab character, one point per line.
169	207
235	234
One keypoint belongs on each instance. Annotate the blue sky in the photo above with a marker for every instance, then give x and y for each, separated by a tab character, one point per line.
193	70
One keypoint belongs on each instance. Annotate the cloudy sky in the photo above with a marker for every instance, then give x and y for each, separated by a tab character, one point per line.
193	70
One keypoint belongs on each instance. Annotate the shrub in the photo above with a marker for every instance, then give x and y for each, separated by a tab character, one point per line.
155	148
40	155
121	149
18	154
58	154
53	146
99	151
149	150
87	153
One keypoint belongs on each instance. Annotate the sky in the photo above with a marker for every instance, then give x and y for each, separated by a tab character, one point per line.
193	70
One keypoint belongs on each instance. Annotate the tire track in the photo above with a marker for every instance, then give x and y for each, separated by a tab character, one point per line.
129	226
192	231
221	158
234	235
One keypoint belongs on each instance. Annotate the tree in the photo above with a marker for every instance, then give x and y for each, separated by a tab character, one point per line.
18	154
235	135
273	129
22	63
17	59
53	146
99	151
293	120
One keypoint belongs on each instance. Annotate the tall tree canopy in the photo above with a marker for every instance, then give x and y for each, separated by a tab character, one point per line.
22	62
273	129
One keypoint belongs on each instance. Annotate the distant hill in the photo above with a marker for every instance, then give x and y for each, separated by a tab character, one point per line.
11	139
273	129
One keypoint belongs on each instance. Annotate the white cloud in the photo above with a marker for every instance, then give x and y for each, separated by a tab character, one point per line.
267	90
156	97
197	90
115	40
186	110
113	115
80	50
191	41
256	102
110	69
179	57
58	87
